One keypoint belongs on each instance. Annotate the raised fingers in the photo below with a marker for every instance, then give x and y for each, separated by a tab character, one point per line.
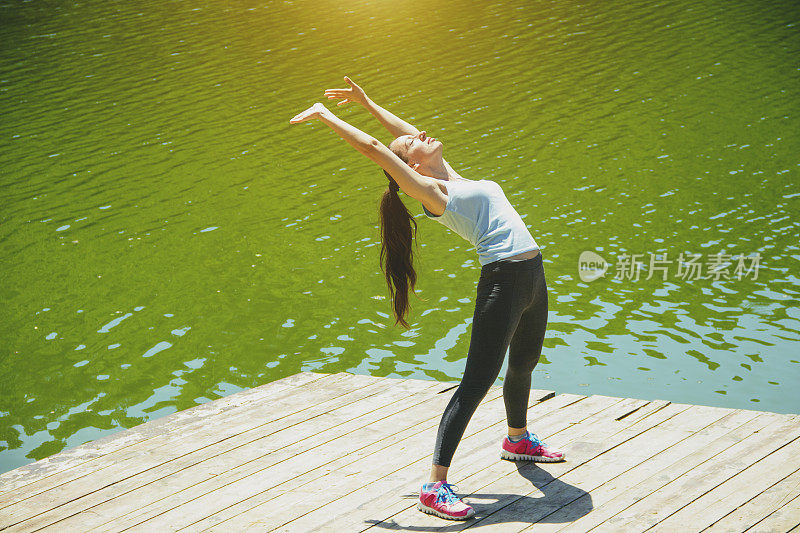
303	115
300	117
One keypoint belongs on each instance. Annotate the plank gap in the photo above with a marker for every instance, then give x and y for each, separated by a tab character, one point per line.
447	389
629	413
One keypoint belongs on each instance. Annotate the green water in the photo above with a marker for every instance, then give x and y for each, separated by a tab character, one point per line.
167	238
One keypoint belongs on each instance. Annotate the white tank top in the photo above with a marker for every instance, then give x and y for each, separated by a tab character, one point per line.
479	212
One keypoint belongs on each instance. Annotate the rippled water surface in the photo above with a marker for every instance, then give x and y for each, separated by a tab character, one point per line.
167	238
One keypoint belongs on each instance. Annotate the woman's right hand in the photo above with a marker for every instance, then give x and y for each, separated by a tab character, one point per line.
353	94
311	113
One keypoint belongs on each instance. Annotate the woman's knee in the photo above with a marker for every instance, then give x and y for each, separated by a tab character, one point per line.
474	390
525	367
524	358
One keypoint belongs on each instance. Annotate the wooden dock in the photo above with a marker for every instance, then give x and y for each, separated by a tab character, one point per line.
245	463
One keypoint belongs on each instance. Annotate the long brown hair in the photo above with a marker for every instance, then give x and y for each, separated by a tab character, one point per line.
396	251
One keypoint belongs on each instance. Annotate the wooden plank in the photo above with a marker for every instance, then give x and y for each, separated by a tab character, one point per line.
479	450
286	472
227	438
138	464
348	473
202	493
384	447
206	495
241	463
630	488
64	486
760	507
736	491
653	508
571	517
643	411
52	471
512	491
12	482
580	482
339	474
787	518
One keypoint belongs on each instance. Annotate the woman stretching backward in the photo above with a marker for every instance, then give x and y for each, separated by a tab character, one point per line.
511	304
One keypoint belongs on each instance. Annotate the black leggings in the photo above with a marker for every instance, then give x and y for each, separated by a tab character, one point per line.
510	314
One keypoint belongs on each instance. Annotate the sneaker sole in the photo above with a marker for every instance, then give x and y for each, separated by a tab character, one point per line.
430	510
504	454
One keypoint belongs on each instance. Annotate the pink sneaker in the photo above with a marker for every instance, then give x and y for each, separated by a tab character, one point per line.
530	448
440	500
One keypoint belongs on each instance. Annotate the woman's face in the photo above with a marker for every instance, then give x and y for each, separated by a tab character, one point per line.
420	148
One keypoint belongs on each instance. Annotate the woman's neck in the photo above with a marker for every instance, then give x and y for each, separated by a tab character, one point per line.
446	175
439	174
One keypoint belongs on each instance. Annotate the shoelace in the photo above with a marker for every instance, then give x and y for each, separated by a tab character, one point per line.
446	493
536	441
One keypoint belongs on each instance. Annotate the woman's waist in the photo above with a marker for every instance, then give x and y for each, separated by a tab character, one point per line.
524	255
521	260
500	245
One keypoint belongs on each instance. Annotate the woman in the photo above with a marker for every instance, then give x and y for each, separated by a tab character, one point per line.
511	305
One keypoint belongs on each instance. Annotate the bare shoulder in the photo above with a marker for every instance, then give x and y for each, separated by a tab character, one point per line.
436	200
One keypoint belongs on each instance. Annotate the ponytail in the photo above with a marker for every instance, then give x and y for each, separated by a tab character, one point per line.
396	254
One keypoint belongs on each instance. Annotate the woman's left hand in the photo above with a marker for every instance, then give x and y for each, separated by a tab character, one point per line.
353	94
309	114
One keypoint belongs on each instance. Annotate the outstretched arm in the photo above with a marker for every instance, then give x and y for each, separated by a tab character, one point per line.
396	125
411	182
391	122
